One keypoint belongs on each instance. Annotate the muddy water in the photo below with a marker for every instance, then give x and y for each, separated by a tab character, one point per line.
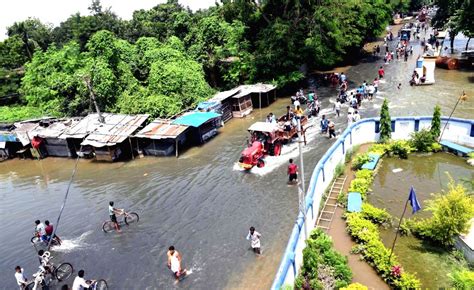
428	175
197	202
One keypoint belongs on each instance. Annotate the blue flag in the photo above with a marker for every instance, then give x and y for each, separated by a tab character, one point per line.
415	205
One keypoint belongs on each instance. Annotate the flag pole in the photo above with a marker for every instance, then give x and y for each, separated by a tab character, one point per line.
398	229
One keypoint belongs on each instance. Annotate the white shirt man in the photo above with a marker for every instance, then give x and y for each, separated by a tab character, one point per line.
41	229
20	277
79	282
356	116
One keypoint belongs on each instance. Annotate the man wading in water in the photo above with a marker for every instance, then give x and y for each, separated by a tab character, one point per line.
174	263
292	172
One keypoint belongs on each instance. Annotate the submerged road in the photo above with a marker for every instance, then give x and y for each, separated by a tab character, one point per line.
198	202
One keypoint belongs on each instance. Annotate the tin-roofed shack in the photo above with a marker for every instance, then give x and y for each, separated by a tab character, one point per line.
111	139
14	139
8	142
203	126
225	101
240	101
48	136
107	141
249	96
161	138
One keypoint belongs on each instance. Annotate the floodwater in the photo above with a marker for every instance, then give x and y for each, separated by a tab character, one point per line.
199	203
427	174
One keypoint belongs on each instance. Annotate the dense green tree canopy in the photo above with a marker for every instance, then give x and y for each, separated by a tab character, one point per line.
55	80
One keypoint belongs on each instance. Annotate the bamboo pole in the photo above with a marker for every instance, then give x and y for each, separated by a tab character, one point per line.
398	229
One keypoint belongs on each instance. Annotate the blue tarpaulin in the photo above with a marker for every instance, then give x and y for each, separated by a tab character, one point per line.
7	138
374	159
354	202
195	119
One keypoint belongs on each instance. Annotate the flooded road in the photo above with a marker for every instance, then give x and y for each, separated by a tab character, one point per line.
198	202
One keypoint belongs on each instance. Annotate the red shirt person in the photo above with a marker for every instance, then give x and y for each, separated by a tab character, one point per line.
48	228
381	73
292	171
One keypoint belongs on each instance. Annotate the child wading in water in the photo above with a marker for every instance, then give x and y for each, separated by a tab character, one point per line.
254	238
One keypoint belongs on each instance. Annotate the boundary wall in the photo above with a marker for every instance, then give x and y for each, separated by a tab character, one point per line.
460	131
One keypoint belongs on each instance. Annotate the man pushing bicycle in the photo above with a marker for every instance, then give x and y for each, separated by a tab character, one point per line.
113	217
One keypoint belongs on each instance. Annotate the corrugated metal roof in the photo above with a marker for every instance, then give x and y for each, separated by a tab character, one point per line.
84	127
115	129
242	90
195	119
220	96
54	130
21	131
245	90
161	129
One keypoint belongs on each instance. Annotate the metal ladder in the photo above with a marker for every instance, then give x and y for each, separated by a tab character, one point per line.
330	205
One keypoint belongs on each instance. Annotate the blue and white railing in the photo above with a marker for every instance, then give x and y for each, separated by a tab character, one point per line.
460	131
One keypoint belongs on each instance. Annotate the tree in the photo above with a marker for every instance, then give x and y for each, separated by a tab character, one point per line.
385	123
435	129
465	20
33	33
161	21
446	17
12	52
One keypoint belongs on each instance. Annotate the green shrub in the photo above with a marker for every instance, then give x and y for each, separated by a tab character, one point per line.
321	260
339	170
350	153
359	160
401	148
362	182
366	234
376	215
462	279
451	215
408	281
360	185
422	140
355	286
365	174
379	148
436	147
342	198
470	154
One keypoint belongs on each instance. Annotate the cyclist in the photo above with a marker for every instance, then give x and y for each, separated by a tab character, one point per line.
44	261
80	283
113	217
40	230
49	232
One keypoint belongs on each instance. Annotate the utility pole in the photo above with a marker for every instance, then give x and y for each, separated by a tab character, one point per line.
91	94
302	190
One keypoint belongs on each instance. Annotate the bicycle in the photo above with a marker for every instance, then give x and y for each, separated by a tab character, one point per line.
35	240
41	279
128	218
